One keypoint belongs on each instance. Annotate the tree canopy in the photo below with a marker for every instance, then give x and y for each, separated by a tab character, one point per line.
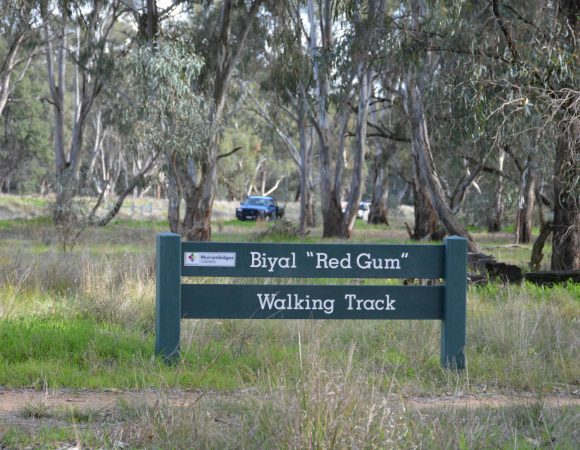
468	111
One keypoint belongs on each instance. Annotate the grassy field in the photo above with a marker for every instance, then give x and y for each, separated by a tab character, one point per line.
84	321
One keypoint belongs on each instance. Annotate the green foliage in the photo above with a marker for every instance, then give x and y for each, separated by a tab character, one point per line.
25	147
503	77
263	157
290	68
236	171
164	111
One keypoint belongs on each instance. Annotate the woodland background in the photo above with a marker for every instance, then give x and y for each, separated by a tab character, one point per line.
468	111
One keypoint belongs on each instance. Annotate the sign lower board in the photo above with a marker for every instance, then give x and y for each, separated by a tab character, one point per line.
216	301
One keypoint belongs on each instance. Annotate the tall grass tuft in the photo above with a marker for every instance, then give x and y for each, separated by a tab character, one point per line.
321	406
526	426
116	289
324	407
170	423
524	336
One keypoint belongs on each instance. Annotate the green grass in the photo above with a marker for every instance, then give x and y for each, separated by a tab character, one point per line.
82	352
13	224
85	320
23	201
72	352
75	303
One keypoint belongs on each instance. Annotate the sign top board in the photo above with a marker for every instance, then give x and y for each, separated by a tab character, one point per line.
312	260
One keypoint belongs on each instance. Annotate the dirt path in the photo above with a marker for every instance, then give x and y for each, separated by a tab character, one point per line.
15	401
492	400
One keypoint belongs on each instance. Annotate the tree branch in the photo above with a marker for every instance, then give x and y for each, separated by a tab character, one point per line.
461	188
517	162
272	189
491	170
101	222
230	153
504	29
385	133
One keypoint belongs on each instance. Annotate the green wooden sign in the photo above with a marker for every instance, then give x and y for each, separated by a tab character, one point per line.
272	300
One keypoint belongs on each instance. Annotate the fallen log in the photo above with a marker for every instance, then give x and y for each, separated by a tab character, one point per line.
492	269
485	268
553	277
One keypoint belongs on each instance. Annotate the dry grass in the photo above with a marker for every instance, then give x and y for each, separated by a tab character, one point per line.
333	384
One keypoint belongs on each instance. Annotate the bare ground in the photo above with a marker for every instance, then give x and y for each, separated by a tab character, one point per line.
14	401
35	410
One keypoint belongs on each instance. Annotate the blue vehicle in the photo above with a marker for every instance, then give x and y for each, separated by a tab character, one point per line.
257	207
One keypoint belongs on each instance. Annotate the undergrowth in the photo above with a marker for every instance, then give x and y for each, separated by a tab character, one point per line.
85	319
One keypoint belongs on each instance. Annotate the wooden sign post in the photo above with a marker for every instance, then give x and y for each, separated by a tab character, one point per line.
446	302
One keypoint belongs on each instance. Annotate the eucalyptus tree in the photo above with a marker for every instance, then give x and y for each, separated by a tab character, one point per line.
285	99
91	22
390	128
413	94
158	111
25	145
563	99
526	66
528	180
521	67
495	216
340	56
503	85
457	136
388	131
86	35
193	177
23	138
384	149
18	26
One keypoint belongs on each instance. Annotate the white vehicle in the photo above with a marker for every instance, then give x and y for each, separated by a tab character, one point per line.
363	211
